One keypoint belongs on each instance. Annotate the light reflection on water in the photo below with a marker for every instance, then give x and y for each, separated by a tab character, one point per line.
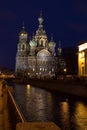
68	112
65	115
81	116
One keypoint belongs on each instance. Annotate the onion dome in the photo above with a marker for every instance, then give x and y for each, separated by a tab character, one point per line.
23	32
59	48
40	19
32	42
52	43
23	35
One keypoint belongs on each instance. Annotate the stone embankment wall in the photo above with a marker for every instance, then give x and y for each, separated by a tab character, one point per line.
74	87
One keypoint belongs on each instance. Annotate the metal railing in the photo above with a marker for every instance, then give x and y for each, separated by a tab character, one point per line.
14	111
22	119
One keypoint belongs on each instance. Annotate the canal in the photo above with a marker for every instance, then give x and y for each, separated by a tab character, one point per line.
68	112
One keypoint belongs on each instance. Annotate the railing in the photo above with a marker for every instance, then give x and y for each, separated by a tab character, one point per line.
14	111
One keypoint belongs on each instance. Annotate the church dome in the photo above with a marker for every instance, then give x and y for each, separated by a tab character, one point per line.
52	44
33	43
23	32
40	19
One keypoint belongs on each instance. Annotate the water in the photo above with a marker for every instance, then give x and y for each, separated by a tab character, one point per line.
68	112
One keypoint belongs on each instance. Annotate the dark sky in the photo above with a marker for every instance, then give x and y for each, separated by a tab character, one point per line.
66	19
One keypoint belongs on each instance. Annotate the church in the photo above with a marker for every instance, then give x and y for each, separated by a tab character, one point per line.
37	58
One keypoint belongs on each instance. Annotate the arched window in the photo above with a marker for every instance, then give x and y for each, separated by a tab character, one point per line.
41	42
23	47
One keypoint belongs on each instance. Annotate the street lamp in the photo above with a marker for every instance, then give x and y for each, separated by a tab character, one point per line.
65	70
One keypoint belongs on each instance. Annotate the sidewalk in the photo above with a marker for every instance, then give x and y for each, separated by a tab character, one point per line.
4	117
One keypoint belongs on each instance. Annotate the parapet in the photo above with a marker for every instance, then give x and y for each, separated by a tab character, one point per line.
37	126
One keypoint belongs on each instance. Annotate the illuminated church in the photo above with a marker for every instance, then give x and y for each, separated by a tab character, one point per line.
37	58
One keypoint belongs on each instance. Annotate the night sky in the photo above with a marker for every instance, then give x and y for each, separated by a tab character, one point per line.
65	19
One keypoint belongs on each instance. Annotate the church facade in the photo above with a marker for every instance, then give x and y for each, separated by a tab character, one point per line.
37	58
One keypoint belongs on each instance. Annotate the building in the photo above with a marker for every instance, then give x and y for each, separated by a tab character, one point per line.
38	57
82	59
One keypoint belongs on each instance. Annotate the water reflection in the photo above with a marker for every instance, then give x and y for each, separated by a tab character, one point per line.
65	115
28	89
81	116
68	112
40	102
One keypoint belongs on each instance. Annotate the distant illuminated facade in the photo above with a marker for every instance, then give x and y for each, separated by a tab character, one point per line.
37	58
82	59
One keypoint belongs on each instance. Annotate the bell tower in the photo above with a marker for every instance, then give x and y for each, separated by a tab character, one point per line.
23	45
22	52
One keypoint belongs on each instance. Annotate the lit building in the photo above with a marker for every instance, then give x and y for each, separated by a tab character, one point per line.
38	57
82	59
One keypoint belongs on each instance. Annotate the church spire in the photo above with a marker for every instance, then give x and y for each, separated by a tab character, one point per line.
23	35
40	19
41	36
33	36
59	44
51	37
41	13
23	30
23	27
59	48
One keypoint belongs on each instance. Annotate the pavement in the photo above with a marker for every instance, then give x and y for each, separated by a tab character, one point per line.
4	116
37	126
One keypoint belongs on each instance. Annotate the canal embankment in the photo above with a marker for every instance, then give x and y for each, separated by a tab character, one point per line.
4	116
11	117
10	113
76	87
